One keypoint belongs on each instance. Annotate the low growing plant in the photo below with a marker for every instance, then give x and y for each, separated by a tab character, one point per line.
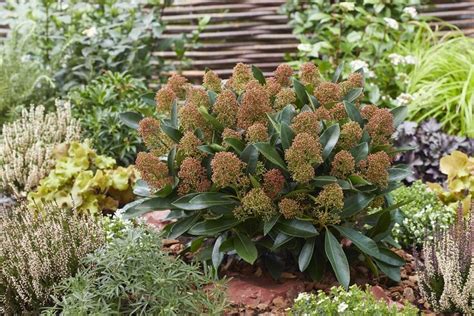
85	181
97	106
38	250
338	301
427	144
446	277
261	165
423	214
133	275
27	146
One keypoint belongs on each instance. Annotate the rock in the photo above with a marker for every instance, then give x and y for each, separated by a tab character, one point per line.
157	219
254	291
409	294
379	293
279	302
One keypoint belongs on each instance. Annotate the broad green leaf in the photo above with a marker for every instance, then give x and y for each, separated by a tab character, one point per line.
300	92
329	139
245	248
338	73
287	114
212	227
321	181
172	132
141	188
358	180
274	264
383	227
257	74
313	102
389	257
356	203
217	255
280	240
392	272
269	152
206	149
287	136
268	225
360	152
183	225
306	254
211	119
364	243
353	94
316	266
212	96
140	207
250	156
200	201
296	228
353	112
174	115
171	161
398	174
337	258
131	119
235	143
399	115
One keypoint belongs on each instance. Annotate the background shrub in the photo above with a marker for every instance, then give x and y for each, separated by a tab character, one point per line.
38	250
422	215
338	301
27	146
84	181
98	106
132	275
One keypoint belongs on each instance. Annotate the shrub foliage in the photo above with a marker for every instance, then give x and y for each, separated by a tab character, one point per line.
262	165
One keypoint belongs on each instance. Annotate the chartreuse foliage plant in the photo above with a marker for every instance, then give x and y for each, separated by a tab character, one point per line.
259	166
85	181
338	301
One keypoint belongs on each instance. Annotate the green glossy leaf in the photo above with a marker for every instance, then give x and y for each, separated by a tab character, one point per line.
313	102
398	174
300	92
257	74
268	225
337	73
321	181
250	156
306	254
382	228
174	115
280	240
392	272
201	201
140	207
287	136
212	96
274	264
360	152
296	228
353	112
206	149
287	114
245	248
399	115
389	257
358	180
356	203
316	267
364	243
269	152
171	161
217	255
172	132
235	143
130	119
353	94
210	119
329	139
212	227
337	258
183	225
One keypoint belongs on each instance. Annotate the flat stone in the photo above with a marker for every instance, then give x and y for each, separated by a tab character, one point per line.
409	294
379	293
258	291
157	219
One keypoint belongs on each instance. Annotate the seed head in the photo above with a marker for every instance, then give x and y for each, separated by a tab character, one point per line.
227	169
342	165
164	99
380	126
188	145
178	84
272	86
331	198
351	134
323	114
284	97
309	74
257	133
241	75
211	81
290	208
375	168
152	170
255	105
283	74
193	177
338	112
368	111
306	122
257	203
226	108
197	97
328	94
273	182
305	151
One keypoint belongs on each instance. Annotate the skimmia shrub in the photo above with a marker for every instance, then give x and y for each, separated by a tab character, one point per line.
265	165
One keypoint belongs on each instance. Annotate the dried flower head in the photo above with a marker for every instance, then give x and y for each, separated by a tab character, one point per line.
179	85
290	208
256	133
273	182
258	204
284	97
230	133
211	81
375	168
306	122
164	99
197	97
351	134
227	169
323	114
328	93
380	126
153	170
193	177
368	111
331	198
191	119
323	218
283	74
153	137
254	107
188	145
356	80
241	75
338	112
309	74
305	151
225	108
272	86
342	165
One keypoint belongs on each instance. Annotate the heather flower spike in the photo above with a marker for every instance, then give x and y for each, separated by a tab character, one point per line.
268	159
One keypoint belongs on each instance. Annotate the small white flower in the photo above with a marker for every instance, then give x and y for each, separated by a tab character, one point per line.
342	307
358	64
391	23
348	6
404	99
396	59
411	11
410	60
90	32
303	297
